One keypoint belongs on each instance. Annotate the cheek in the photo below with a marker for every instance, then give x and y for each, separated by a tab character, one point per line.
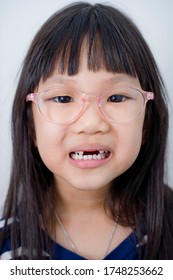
49	144
129	144
49	140
133	137
47	134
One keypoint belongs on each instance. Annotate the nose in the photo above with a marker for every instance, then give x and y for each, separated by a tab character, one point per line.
91	121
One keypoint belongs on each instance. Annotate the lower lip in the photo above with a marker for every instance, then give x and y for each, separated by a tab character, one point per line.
89	164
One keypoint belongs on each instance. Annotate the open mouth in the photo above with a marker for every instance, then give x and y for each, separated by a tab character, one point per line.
90	155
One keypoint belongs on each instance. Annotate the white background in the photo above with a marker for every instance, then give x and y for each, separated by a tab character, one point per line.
20	20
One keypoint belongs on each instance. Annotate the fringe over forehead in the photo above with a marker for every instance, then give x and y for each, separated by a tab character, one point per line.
112	41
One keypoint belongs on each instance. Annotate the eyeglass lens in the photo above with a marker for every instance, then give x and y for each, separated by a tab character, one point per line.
118	104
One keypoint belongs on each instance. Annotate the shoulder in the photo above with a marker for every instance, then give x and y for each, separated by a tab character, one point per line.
166	241
10	238
5	239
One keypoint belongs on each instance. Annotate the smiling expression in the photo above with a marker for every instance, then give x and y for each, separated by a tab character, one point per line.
91	151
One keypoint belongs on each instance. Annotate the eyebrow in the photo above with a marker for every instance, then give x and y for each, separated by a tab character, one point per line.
114	79
60	80
121	78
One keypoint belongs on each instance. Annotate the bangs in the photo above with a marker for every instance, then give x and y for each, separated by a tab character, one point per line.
104	48
108	39
103	33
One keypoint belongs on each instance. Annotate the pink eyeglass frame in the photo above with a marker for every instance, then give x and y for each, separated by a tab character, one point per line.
34	96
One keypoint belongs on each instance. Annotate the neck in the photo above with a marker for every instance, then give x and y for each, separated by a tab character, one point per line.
72	200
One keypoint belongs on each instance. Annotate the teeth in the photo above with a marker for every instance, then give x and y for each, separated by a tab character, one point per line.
79	155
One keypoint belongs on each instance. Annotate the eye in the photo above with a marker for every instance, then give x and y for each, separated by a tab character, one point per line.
63	99
117	98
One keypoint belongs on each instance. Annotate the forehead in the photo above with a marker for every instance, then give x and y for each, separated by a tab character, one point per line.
89	80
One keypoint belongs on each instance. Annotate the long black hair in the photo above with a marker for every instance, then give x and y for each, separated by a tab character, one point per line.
115	44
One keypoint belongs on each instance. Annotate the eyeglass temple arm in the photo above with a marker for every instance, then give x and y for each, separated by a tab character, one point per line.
30	97
149	96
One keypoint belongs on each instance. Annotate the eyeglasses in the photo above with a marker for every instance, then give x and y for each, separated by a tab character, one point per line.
118	104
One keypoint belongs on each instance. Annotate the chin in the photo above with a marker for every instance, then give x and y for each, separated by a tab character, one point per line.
91	186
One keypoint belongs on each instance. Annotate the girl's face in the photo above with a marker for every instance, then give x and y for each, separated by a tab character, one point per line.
91	132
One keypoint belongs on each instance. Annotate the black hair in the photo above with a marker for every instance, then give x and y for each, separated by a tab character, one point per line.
114	43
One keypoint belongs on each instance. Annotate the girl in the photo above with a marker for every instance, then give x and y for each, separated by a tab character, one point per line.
89	128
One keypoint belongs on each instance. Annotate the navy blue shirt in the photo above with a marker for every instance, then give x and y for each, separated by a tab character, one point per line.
126	250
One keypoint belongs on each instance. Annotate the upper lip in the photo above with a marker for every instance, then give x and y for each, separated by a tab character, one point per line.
90	148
